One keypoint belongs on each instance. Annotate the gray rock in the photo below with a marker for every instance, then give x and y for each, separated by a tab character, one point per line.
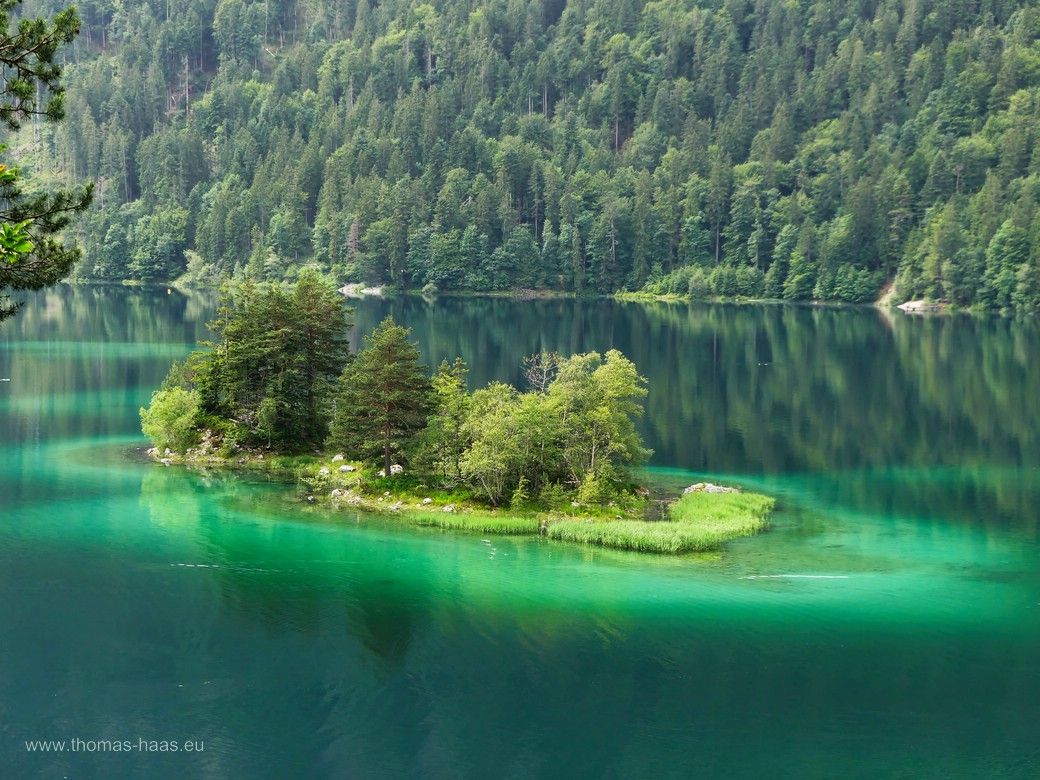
708	487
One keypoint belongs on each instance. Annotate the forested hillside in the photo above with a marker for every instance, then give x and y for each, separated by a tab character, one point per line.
800	149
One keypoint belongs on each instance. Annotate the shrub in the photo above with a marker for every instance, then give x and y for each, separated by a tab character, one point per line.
594	489
697	287
723	280
750	281
171	419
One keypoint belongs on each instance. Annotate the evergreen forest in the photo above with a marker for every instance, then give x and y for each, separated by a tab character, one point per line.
802	150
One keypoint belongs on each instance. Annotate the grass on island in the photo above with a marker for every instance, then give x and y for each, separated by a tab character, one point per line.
724	511
700	522
477	522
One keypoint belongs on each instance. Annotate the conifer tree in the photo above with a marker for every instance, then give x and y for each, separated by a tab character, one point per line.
383	397
31	257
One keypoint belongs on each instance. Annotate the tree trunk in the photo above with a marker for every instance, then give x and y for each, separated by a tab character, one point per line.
386	453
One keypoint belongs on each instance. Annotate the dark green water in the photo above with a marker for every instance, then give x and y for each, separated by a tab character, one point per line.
888	625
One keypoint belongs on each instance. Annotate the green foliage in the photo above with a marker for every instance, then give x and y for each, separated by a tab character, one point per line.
577	429
382	399
171	419
31	257
444	441
520	496
15	241
273	368
804	150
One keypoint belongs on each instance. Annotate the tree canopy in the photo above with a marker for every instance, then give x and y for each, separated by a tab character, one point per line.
383	397
270	383
807	149
268	377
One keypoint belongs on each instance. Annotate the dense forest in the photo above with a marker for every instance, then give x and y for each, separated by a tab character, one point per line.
806	149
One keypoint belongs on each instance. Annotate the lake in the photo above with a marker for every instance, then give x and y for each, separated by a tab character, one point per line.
888	625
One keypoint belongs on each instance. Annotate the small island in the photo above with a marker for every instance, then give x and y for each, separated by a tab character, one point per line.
375	432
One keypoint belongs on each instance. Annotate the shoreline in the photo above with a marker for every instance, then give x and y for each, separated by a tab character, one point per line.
883	303
701	520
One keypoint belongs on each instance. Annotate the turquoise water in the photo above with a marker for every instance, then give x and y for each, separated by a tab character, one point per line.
887	626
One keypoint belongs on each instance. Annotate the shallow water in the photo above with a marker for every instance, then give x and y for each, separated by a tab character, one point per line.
888	625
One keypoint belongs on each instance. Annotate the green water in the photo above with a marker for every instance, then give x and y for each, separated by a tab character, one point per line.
887	626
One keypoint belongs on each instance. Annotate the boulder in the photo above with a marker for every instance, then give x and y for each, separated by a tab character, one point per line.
923	307
708	487
396	469
323	471
427	500
165	461
344	469
449	508
337	457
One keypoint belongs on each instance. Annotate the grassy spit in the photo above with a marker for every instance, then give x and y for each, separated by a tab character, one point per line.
700	522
